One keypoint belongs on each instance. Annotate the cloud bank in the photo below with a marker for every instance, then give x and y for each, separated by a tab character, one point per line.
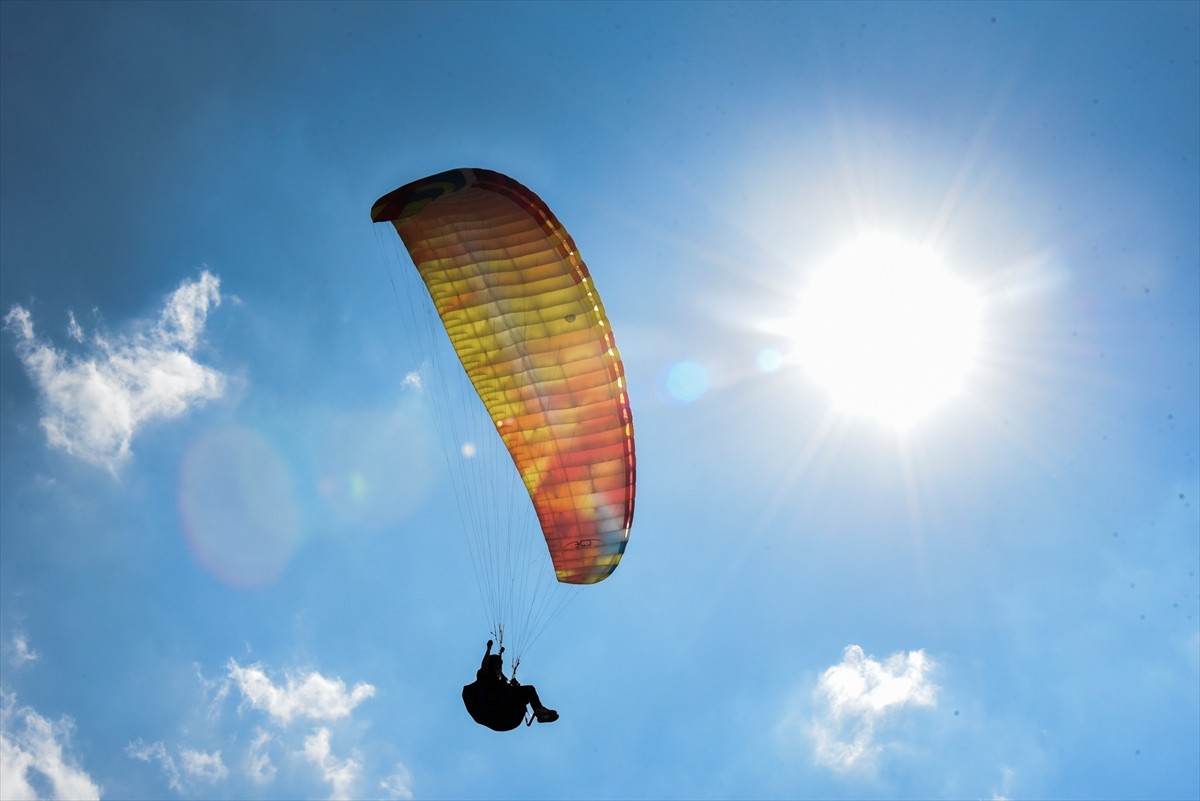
34	752
95	403
856	697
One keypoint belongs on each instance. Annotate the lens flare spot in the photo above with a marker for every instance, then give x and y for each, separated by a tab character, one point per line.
358	486
375	467
686	381
769	360
468	450
238	507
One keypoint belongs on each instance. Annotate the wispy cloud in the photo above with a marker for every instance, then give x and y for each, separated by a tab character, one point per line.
308	695
855	697
191	766
1006	781
398	784
303	708
95	402
74	329
201	765
34	752
259	766
341	774
19	653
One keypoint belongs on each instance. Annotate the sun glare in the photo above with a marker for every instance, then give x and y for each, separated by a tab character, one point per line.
887	330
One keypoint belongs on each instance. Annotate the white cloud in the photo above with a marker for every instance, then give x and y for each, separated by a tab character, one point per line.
19	652
258	753
215	693
856	696
259	767
1006	774
33	750
341	774
157	752
192	766
399	784
308	695
203	766
74	329
94	404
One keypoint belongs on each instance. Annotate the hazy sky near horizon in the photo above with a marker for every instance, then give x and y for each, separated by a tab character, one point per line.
230	556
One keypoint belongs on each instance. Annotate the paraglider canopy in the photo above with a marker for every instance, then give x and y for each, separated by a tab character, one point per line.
525	319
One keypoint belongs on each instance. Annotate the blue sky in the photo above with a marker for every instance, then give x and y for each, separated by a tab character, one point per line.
231	557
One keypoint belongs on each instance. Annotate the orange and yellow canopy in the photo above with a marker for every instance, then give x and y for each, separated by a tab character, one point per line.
522	313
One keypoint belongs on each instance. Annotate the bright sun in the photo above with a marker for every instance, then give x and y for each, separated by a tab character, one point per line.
887	330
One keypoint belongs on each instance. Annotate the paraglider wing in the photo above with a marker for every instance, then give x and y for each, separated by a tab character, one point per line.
524	316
